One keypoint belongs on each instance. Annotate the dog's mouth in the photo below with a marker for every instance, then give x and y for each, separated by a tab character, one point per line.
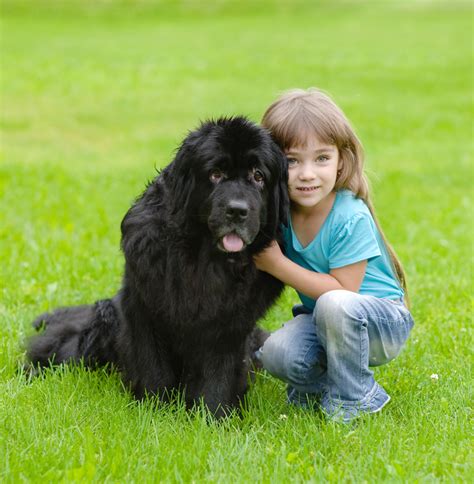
231	242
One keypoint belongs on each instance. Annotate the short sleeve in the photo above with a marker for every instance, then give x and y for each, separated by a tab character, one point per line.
354	242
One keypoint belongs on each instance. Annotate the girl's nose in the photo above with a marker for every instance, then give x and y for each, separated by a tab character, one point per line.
307	172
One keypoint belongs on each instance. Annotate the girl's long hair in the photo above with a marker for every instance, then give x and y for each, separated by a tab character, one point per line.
299	114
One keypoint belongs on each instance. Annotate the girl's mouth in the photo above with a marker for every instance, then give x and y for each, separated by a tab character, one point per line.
307	189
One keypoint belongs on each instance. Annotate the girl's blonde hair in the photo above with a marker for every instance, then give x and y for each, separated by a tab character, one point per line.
299	114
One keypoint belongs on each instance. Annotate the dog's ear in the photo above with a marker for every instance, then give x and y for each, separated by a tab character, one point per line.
180	176
279	203
284	206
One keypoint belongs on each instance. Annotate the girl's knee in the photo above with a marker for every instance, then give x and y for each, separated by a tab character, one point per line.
381	353
387	345
285	353
284	362
335	298
331	304
272	353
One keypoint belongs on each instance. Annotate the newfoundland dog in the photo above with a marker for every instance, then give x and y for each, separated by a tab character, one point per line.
185	316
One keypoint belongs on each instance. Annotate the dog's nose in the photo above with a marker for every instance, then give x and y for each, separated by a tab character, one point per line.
237	210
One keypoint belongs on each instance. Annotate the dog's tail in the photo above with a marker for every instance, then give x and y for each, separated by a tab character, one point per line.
76	333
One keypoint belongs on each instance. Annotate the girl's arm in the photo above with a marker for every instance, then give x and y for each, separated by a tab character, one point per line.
310	283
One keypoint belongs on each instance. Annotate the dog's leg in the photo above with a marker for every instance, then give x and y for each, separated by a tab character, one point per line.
221	382
148	366
160	381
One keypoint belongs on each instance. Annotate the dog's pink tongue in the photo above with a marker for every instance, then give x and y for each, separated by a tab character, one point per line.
232	243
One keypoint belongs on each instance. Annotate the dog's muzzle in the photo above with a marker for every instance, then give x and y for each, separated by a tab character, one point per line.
235	226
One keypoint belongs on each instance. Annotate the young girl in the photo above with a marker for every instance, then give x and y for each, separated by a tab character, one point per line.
350	281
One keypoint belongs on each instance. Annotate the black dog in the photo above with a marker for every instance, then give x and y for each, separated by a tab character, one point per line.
191	295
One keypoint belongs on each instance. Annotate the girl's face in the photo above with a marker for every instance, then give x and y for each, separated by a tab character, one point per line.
312	172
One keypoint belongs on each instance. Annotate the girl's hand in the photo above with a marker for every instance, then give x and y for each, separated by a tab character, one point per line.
268	259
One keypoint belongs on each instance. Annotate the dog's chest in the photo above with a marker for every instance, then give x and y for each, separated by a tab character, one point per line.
210	294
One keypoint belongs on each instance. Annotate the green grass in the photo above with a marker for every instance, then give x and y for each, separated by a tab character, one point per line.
97	95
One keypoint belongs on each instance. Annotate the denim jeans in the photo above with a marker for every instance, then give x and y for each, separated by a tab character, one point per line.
325	355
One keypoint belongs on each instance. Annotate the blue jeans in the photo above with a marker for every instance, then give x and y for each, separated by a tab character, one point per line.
326	354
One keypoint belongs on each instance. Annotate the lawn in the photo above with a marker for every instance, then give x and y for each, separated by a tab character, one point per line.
96	96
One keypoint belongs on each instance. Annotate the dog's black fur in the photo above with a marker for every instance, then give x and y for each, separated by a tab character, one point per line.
185	315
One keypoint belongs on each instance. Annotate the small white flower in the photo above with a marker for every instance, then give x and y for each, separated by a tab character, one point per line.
435	376
283	417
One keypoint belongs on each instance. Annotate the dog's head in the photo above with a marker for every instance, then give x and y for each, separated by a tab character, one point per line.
230	176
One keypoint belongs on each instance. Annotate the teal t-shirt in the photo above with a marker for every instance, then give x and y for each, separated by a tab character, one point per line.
348	235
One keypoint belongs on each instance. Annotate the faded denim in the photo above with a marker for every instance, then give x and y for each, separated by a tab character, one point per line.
325	356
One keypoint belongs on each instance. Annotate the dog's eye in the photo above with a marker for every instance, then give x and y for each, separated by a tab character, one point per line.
216	176
258	177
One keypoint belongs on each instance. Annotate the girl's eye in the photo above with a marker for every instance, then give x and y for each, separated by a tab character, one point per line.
322	158
216	176
291	161
258	177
